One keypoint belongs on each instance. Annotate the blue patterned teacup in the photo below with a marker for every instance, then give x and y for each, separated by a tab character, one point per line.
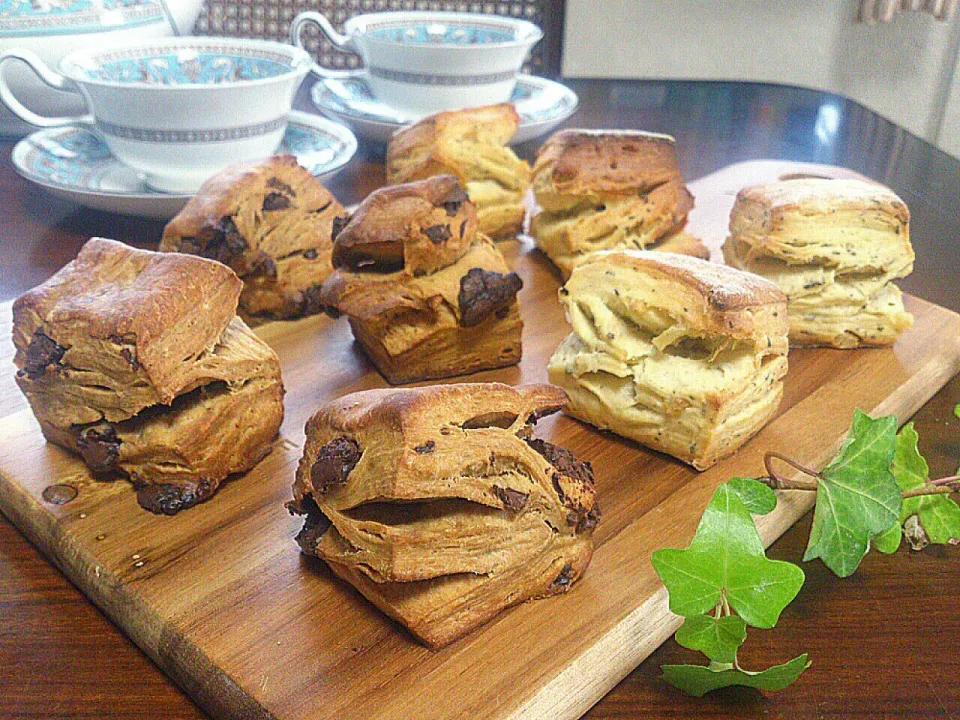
422	62
178	110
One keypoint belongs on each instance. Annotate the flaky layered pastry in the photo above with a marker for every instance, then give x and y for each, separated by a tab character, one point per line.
426	296
609	189
271	221
440	507
680	354
834	247
470	144
136	360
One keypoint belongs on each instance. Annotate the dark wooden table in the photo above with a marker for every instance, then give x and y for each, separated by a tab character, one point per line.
883	642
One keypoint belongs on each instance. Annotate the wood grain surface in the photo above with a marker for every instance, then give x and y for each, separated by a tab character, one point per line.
220	597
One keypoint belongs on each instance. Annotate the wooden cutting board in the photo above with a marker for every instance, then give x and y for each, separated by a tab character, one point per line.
220	597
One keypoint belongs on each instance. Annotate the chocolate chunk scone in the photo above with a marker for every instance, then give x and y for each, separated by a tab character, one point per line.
426	295
137	362
271	221
470	144
610	189
440	507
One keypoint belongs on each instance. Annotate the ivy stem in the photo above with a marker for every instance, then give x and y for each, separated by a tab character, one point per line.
779	482
933	489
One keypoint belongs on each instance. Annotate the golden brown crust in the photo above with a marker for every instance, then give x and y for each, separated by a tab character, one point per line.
118	358
606	189
680	354
834	247
421	226
131	318
432	326
271	221
470	144
438	506
590	163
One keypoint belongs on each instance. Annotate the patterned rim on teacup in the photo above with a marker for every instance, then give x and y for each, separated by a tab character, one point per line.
522	32
440	80
186	137
29	18
79	65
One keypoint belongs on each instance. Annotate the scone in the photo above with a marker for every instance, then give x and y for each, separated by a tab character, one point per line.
470	144
610	189
137	361
834	247
426	295
440	507
271	221
680	354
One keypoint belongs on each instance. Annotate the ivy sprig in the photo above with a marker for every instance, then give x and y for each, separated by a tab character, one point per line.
874	492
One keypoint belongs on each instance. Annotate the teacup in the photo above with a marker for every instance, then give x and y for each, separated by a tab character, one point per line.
422	62
177	110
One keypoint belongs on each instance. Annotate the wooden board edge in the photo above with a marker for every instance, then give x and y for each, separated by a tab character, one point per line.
181	660
586	679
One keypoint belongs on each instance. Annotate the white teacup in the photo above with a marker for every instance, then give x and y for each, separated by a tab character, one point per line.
180	109
422	62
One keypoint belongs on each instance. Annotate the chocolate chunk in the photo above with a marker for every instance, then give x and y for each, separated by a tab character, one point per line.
513	500
563	460
275	201
339	223
438	233
100	447
314	525
426	448
170	498
263	264
452	202
588	521
130	356
322	208
483	292
311	254
42	352
463	228
334	463
278	184
311	304
562	582
233	241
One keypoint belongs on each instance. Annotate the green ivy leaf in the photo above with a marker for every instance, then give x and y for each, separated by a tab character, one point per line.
725	560
888	541
698	680
717	638
956	410
758	498
938	514
857	496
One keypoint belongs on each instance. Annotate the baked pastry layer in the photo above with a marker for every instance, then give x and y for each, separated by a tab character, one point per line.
439	506
117	357
682	355
120	329
425	297
603	189
834	247
271	221
470	144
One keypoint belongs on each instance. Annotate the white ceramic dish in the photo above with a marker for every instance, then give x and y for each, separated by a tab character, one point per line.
176	109
53	29
75	164
542	105
423	62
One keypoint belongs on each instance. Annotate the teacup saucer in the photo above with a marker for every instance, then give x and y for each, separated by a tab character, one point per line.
73	163
542	105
